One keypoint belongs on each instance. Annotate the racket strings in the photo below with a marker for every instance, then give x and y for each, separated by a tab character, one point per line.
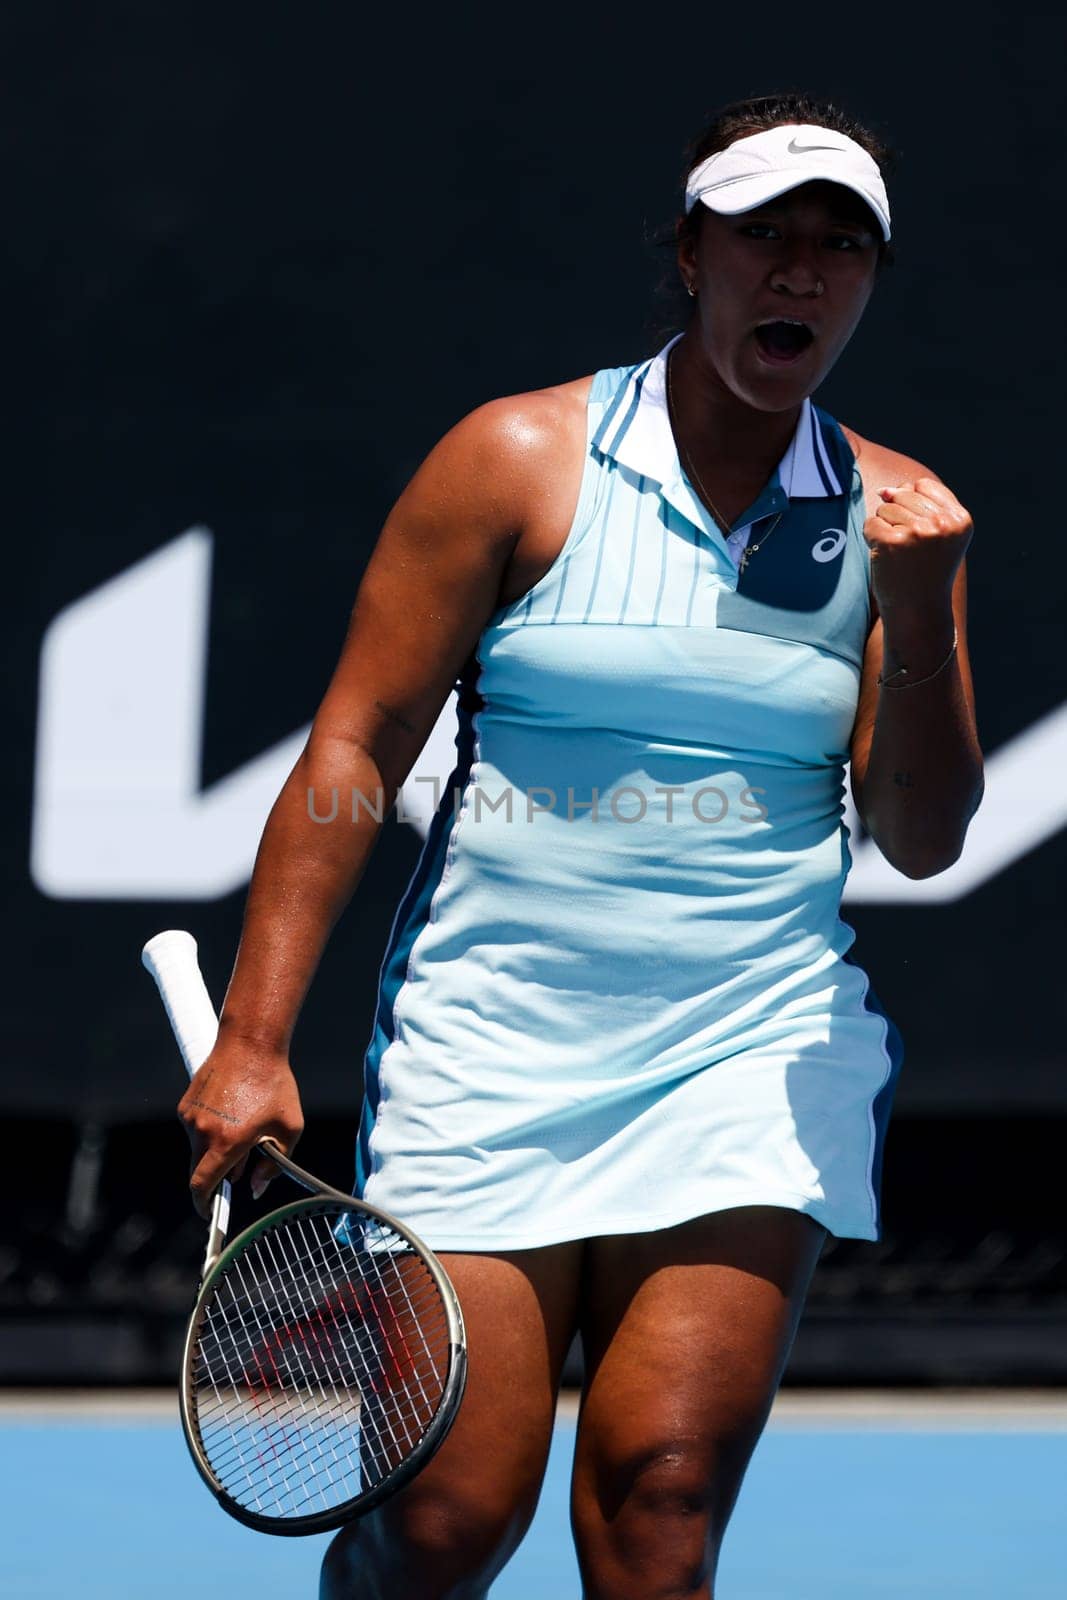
321	1361
313	1346
277	1379
358	1346
283	1444
323	1410
274	1440
396	1330
386	1322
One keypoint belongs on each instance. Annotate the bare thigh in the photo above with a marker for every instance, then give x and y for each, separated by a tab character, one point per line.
450	1531
686	1331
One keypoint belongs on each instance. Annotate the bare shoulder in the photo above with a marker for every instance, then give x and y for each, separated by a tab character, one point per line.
496	469
444	561
883	468
521	431
508	476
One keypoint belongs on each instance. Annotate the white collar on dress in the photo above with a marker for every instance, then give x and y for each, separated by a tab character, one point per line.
636	431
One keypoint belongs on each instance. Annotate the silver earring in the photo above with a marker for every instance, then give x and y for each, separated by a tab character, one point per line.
819	287
691	291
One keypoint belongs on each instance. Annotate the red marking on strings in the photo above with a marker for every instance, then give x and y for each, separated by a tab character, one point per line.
275	1434
312	1336
395	1355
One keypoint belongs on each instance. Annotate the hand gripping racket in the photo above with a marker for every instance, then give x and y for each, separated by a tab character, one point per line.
326	1358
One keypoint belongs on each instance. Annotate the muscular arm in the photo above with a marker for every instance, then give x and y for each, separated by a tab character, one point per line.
916	764
431	584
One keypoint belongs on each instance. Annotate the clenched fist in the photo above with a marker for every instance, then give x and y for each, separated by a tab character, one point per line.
917	538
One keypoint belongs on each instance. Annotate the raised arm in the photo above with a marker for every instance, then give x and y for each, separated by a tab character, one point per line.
431	584
916	764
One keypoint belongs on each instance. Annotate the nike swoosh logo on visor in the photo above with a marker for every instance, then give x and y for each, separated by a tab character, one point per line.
799	149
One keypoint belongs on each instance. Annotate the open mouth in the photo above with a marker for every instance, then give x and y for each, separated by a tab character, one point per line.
783	340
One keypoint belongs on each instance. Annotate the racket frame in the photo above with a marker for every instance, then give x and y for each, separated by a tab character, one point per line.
451	1394
171	958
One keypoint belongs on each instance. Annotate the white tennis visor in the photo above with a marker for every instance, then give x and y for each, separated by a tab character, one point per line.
763	165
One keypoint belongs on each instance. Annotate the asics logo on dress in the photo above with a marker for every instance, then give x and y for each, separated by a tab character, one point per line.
831	543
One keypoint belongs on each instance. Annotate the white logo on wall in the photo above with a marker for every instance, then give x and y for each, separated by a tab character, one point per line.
119	812
830	545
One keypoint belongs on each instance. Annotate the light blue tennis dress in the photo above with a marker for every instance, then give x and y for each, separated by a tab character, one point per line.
617	992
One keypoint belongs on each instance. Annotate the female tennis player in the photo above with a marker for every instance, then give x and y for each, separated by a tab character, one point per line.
624	1076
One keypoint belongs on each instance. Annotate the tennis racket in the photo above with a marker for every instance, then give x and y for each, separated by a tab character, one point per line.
326	1358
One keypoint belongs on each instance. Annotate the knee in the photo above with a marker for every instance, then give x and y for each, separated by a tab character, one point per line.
444	1545
455	1531
648	1523
672	1477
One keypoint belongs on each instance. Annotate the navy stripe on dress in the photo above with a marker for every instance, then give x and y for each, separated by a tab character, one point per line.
882	1104
412	915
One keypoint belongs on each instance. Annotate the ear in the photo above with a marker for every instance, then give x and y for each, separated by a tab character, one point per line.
687	254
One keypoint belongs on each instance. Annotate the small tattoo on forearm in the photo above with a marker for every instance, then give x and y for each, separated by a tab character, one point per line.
394	716
904	780
224	1116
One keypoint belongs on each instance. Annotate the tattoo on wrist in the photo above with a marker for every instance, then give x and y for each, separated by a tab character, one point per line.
904	780
394	716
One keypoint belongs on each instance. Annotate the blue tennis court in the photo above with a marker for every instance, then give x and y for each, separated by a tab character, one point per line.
843	1500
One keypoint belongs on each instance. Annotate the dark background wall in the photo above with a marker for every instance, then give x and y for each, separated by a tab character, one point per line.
256	260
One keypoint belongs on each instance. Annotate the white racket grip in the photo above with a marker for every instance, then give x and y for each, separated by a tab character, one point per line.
171	959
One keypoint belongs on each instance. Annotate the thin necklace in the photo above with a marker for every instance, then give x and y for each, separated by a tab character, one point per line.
750	549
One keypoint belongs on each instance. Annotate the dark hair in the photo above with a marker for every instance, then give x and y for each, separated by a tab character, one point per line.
736	121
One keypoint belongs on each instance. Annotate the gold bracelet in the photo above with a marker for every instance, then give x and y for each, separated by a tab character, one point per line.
885	683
